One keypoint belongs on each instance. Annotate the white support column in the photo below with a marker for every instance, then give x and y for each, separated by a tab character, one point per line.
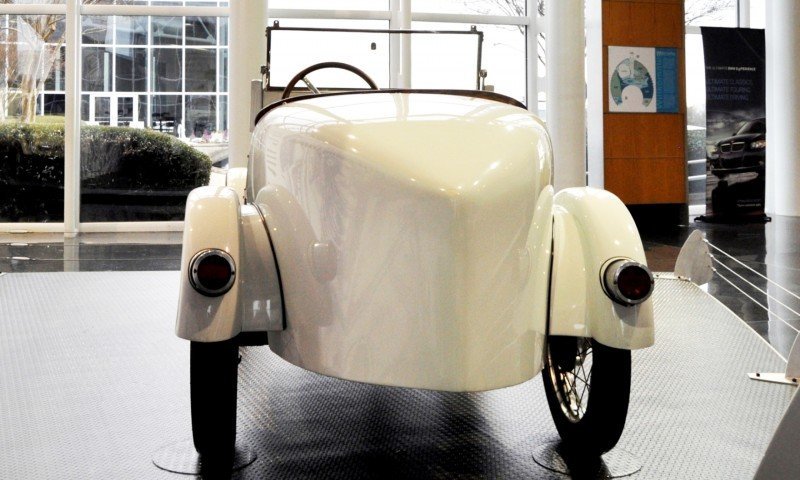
72	120
400	45
744	13
566	91
594	95
541	80
532	60
248	52
769	185
783	107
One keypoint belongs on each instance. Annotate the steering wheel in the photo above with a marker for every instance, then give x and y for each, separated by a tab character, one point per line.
319	66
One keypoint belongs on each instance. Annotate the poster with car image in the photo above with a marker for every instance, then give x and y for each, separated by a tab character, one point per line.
736	124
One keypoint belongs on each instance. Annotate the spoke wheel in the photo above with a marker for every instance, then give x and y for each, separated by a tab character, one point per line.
588	388
572	377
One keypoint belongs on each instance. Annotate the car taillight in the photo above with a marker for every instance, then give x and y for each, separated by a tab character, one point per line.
627	282
212	272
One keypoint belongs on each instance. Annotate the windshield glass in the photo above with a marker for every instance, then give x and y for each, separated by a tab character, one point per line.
753	126
366	45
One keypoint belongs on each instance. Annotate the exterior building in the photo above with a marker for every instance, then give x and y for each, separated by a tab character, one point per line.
164	73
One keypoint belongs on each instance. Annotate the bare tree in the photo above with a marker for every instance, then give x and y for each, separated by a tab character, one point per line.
514	8
30	45
709	10
29	48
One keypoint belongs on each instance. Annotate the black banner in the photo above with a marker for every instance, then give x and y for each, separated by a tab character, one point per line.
736	126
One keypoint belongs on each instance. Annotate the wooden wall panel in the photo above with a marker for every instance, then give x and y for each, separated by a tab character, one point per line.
624	140
645	152
643	24
629	179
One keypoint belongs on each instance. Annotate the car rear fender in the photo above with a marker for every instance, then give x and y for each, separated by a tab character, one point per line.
216	220
590	228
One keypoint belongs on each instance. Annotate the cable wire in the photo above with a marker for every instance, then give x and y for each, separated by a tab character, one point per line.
751	269
787	307
756	301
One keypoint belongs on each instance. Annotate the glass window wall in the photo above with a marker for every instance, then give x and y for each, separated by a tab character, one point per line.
31	118
331	4
150	112
163	79
470	7
758	14
711	13
131	31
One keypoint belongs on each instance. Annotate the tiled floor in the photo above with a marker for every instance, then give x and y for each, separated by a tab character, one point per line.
772	249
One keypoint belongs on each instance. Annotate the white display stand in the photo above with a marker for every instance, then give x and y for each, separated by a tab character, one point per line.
790	376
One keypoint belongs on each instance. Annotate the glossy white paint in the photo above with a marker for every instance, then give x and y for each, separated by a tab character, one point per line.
214	219
413	237
261	303
412	234
236	178
590	228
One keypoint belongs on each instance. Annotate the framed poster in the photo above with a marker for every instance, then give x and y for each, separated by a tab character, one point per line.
642	79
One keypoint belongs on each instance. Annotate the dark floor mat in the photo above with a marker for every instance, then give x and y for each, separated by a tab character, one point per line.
93	382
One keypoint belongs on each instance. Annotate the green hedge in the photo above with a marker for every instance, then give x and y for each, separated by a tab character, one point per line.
136	159
112	159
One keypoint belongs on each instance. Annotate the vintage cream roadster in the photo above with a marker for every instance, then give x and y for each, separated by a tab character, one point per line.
413	238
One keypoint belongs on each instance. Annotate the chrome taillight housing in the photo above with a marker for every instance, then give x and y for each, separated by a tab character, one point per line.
627	282
212	272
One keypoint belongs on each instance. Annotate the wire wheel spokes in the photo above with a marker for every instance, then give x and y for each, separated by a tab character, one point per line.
572	380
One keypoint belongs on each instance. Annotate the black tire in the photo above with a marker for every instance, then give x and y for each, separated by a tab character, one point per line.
590	418
213	385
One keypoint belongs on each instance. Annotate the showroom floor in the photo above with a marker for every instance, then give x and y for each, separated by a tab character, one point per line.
95	385
771	249
100	398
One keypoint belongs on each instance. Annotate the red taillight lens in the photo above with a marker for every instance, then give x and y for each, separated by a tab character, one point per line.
634	282
212	272
628	282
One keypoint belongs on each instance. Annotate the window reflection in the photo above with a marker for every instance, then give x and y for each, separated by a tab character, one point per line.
96	30
167	69
96	64
54	104
131	70
131	31
201	114
166	113
167	30
711	13
201	70
201	31
31	118
55	80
